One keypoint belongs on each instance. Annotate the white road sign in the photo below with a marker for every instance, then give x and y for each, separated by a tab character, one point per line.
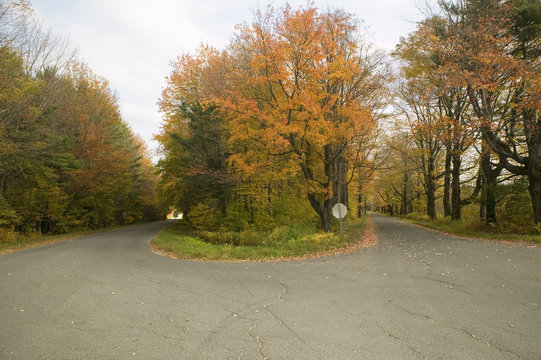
339	210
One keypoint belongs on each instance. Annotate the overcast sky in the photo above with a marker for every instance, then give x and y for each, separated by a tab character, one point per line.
132	42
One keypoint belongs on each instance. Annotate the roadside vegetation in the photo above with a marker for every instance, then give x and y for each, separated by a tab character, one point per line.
68	160
12	241
465	149
294	108
472	226
297	113
301	240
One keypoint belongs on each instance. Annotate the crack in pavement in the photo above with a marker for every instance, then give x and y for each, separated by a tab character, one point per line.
386	332
452	286
284	292
245	287
490	344
463	291
442	323
259	342
163	336
266	307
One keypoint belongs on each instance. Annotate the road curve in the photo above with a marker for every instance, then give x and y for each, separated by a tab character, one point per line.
418	294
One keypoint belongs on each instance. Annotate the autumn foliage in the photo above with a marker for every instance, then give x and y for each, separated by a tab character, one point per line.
469	101
67	159
290	102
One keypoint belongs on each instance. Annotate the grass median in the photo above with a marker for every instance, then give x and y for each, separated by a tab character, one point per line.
286	242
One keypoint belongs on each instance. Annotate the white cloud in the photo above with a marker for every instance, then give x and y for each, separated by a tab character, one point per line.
132	42
144	120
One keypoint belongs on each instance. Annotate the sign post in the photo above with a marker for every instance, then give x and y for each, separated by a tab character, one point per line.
339	211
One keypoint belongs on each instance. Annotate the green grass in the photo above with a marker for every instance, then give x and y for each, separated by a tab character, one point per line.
295	241
473	228
11	241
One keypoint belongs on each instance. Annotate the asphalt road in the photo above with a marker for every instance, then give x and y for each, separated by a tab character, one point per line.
416	295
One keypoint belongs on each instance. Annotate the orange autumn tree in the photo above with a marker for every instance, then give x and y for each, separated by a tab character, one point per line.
294	92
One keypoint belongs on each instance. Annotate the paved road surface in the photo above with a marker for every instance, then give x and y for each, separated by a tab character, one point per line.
416	295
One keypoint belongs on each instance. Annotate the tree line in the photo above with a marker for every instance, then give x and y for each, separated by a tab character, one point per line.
300	112
67	158
469	129
277	127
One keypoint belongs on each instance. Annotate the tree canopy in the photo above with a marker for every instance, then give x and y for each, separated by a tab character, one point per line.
67	158
290	103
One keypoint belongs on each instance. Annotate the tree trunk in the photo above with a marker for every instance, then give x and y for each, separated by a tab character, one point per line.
535	193
447	185
405	194
490	203
456	206
338	177
323	211
534	178
223	200
491	178
483	209
336	168
359	203
269	199
431	206
430	190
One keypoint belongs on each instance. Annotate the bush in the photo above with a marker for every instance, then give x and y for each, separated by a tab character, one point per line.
7	235
204	217
8	216
281	234
242	238
293	231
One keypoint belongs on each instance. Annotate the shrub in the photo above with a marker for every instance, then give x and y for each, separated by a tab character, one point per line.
8	216
204	217
250	237
7	235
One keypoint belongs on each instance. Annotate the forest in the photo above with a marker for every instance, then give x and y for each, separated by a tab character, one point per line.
300	111
67	158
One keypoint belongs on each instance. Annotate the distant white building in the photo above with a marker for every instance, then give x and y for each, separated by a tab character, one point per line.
174	215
